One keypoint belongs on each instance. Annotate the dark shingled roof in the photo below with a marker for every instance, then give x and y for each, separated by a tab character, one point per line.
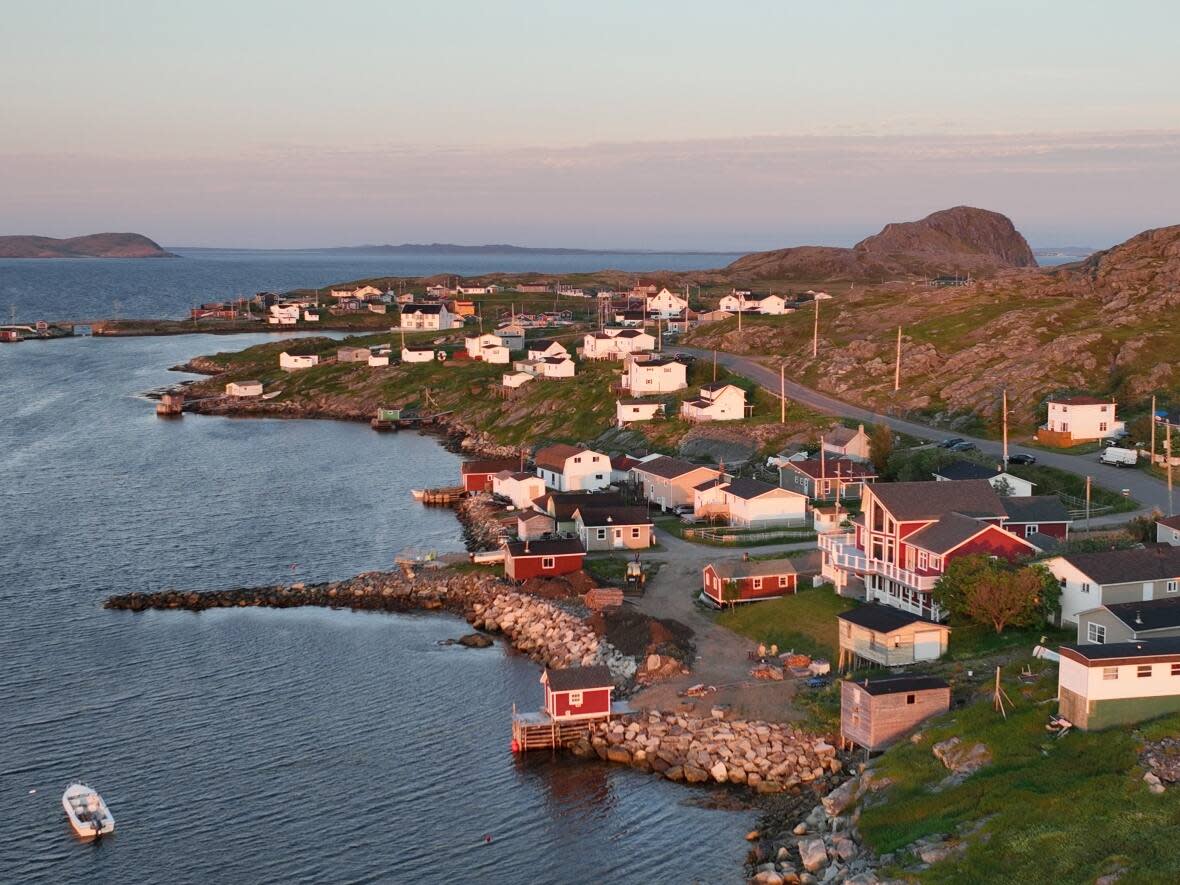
565	503
556	547
960	469
751	488
422	308
600	516
900	684
930	500
753	568
841	435
1036	508
579	678
669	468
1142	648
489	465
1157	614
882	618
554	457
1082	400
1171	522
1154	563
830	468
717	385
951	530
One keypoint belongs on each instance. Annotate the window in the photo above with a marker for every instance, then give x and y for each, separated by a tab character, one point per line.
598	476
1085	586
784	580
575	699
636	532
757	583
911	699
923	559
1102	425
578	460
1172	586
1143	671
547	562
1095	633
602	534
1031	529
1110	672
1176	669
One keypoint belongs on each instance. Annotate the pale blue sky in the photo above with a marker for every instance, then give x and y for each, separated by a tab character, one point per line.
645	124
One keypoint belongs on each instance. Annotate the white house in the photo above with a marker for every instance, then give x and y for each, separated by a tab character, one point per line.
551	367
377	360
283	315
512	336
771	305
243	388
1075	419
1167	531
717	402
475	344
1002	482
666	303
1089	580
417	355
630	410
653	374
1120	683
435	317
290	362
540	349
518	487
476	289
614	343
844	442
572	468
749	503
311	315
352	354
496	353
361	292
516	379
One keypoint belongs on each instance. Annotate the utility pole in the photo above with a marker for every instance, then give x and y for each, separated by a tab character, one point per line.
714	365
815	333
1088	480
821	483
896	363
1005	407
1168	455
782	393
1153	430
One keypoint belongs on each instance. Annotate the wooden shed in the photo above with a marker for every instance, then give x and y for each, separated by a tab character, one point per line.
876	712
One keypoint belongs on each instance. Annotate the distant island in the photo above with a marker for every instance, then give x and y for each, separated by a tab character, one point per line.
107	245
501	249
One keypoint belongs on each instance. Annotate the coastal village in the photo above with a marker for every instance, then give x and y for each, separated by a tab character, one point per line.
724	586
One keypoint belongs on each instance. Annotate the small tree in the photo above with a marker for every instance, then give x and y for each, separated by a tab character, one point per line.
730	592
987	591
1003	487
880	447
1142	528
961	575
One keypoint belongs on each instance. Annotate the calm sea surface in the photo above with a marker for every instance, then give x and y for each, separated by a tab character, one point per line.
95	288
264	746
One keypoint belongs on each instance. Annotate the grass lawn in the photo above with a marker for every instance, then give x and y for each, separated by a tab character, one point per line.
805	622
611	569
1061	811
970	641
1051	481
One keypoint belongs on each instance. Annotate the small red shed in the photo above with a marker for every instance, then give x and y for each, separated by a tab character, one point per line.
751	579
578	693
477	475
543	559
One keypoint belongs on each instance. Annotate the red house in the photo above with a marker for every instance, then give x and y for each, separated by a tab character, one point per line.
1037	515
542	559
477	475
578	693
752	579
907	534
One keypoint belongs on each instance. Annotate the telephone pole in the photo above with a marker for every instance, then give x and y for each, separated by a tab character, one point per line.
815	333
896	363
1088	481
782	393
1005	407
1168	455
1153	430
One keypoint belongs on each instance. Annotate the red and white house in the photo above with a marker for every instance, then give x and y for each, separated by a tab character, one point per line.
1037	517
907	535
479	476
752	580
542	559
823	478
578	693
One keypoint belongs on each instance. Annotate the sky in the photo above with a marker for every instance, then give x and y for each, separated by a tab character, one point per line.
664	125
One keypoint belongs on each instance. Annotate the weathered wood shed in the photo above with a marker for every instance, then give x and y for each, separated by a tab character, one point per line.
876	712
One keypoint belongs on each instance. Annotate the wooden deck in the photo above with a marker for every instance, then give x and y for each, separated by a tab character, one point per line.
538	731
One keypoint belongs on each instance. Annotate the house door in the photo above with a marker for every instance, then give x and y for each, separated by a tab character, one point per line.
618	538
1148	591
927	645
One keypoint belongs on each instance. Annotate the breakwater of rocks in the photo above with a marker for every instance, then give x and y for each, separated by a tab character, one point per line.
482	521
546	632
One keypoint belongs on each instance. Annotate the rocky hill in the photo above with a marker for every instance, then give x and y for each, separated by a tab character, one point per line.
1105	325
109	245
959	240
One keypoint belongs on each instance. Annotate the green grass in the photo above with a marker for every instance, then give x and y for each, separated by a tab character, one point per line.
805	622
1051	481
611	569
1062	811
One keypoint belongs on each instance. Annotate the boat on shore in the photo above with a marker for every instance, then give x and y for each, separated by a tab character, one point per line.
88	813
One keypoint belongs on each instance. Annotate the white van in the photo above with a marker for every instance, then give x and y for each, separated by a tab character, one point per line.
1119	457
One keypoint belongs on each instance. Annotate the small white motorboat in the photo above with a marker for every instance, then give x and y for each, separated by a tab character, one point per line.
419	494
88	813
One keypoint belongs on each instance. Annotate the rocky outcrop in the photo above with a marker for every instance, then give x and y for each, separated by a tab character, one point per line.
89	246
959	240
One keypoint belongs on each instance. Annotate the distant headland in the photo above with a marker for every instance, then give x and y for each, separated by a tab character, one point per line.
107	245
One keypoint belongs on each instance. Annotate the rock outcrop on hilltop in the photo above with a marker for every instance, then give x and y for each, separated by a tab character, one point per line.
90	246
1142	273
958	240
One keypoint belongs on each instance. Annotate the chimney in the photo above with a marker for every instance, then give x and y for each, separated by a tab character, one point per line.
746	556
526	545
1138	617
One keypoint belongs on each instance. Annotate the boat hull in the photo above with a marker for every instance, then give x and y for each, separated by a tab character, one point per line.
88	819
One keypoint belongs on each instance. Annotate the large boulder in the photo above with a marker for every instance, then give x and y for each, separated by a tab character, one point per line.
813	854
840	798
960	758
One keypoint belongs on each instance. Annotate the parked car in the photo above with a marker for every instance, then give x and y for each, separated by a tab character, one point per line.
951	443
1021	458
964	446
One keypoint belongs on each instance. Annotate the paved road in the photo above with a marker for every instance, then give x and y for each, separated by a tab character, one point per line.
1146	489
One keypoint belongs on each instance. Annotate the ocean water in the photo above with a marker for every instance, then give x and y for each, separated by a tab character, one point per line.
34	289
254	746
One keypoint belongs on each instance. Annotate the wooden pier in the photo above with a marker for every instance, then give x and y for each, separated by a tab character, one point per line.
440	497
540	731
170	405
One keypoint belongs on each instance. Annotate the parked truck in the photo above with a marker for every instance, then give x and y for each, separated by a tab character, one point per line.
1119	457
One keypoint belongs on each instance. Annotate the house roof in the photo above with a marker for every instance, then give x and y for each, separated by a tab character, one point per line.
522	476
247	383
960	469
830	468
1155	614
422	308
901	684
600	516
657	362
579	678
488	465
1142	648
883	618
951	530
555	547
748	489
1035	508
629	333
554	457
565	503
710	483
717	385
1171	522
554	360
641	402
1126	566
1082	400
624	462
670	468
931	499
841	435
753	568
527	516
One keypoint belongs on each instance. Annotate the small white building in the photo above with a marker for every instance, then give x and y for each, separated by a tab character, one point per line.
417	355
352	354
290	362
1076	419
311	315
567	468
1118	684
540	349
512	336
516	379
770	305
549	368
496	353
1167	531
645	374
844	442
283	315
666	303
474	344
1004	483
243	388
749	503
518	487
434	317
628	411
615	343
377	360
361	292
478	289
717	402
